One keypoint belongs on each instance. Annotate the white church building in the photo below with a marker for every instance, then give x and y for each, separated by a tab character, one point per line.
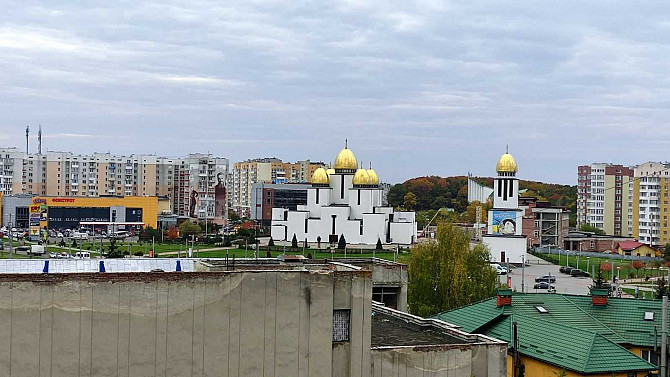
344	200
505	239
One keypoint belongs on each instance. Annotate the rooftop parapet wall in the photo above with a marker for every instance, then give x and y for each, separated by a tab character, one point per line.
182	324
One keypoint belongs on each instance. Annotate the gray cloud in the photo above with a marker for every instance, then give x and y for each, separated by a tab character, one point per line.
419	88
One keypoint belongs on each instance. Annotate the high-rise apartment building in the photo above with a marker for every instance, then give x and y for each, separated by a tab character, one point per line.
605	198
195	184
265	170
650	203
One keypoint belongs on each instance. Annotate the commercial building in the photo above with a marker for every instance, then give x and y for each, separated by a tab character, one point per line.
544	224
265	170
505	238
567	335
266	196
194	184
109	213
248	318
344	202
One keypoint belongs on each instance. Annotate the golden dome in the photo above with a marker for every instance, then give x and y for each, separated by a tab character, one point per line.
361	177
330	171
346	160
506	164
320	176
374	179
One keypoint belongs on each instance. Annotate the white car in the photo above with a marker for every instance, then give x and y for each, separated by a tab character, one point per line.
499	269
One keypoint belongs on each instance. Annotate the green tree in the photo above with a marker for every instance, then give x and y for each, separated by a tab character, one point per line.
396	195
379	244
666	252
113	249
598	280
448	273
591	228
342	243
271	242
188	229
294	241
409	201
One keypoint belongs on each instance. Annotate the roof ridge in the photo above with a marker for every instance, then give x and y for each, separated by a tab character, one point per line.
589	354
592	317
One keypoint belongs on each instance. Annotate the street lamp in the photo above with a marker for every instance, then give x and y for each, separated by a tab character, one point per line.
588	263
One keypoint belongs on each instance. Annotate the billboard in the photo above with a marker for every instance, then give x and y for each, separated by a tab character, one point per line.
503	223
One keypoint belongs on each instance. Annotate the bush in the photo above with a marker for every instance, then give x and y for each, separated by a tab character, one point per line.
271	242
342	243
138	253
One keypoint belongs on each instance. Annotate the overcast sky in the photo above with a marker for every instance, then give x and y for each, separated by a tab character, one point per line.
419	88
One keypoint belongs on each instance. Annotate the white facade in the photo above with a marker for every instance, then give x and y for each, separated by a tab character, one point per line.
649	214
342	206
505	239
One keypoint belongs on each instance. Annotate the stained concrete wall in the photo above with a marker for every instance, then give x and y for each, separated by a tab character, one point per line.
264	323
479	360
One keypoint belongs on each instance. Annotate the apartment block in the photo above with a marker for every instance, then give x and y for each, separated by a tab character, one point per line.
265	170
605	198
650	203
195	184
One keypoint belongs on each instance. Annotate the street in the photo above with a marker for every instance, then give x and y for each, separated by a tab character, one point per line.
538	267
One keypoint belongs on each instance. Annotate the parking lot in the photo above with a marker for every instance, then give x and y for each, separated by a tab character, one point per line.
564	283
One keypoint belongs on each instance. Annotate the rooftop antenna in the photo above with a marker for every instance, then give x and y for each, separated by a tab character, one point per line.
39	140
27	133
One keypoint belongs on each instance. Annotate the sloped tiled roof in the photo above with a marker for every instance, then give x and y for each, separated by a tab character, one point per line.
571	348
630	245
550	336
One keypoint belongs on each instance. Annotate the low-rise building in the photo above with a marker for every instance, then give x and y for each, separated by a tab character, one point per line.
233	318
636	248
589	241
266	196
544	224
568	335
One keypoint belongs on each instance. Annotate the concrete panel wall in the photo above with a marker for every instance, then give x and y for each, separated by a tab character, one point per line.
439	361
262	323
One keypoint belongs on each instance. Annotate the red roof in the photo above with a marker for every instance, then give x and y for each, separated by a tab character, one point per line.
630	245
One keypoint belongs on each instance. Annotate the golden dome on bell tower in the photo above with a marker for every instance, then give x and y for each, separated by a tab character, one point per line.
506	164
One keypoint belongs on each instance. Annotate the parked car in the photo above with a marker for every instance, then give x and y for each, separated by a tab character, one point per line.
499	269
545	285
565	269
546	278
575	272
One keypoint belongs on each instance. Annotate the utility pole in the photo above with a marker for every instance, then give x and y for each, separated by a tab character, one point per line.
523	274
664	337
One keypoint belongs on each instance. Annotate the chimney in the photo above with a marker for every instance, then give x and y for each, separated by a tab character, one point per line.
504	297
599	296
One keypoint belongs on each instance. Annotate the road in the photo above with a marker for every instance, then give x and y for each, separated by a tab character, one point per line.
564	283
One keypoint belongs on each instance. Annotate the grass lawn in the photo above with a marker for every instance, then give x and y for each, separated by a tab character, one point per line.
593	263
641	293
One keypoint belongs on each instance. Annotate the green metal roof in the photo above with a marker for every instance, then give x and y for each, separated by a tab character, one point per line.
571	348
572	333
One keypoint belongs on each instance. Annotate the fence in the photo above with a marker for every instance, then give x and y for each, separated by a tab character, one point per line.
546	250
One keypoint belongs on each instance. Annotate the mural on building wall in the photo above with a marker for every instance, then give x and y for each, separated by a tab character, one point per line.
504	222
220	195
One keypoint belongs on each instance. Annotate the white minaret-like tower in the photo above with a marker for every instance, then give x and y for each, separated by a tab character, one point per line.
505	238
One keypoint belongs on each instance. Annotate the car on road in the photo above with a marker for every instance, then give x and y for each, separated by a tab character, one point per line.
546	278
565	269
575	272
545	285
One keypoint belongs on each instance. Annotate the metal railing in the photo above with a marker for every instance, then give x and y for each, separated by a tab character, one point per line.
548	250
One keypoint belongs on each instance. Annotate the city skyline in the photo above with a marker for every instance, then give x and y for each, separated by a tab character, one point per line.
418	88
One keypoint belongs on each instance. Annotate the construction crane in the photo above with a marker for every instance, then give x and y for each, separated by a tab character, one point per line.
431	220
